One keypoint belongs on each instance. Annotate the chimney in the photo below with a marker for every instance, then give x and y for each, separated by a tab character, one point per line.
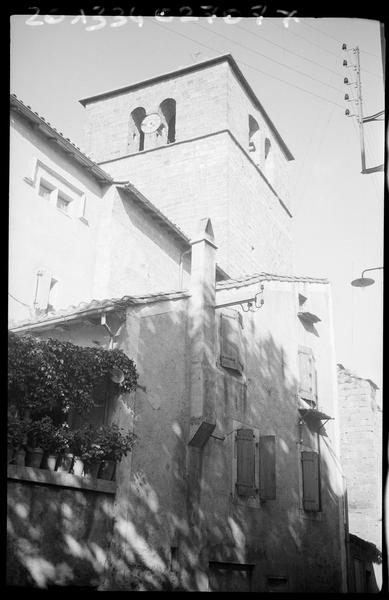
202	334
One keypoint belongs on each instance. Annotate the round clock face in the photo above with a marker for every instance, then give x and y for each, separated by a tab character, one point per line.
150	123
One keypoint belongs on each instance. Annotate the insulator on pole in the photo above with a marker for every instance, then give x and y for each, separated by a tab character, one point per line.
345	63
344	47
346	97
345	80
347	112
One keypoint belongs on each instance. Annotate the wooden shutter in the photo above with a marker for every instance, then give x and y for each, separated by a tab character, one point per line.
311	492
308	385
245	478
267	467
231	350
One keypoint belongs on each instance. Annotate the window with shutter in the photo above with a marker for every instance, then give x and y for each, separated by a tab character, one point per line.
231	344
311	481
267	467
245	480
307	369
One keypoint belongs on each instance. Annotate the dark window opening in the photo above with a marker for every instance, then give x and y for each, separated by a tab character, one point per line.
136	135
167	110
253	133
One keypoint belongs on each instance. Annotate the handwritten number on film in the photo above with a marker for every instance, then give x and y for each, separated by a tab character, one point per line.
229	16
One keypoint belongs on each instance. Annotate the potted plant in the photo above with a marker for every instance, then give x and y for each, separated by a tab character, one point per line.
82	440
40	434
16	438
114	443
64	443
53	441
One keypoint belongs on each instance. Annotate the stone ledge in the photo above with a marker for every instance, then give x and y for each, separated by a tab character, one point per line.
45	477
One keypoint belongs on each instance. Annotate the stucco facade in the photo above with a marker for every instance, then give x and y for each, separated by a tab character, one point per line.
103	243
176	501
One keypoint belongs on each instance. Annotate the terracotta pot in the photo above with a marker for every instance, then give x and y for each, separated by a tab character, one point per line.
10	453
34	457
65	463
49	461
78	466
19	457
107	469
91	469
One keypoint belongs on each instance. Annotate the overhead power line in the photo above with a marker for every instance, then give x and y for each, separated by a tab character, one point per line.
334	38
289	51
271	59
251	67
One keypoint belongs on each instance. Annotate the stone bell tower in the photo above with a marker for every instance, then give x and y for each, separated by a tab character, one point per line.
198	143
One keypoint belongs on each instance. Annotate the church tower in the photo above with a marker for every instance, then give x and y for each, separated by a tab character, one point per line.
198	143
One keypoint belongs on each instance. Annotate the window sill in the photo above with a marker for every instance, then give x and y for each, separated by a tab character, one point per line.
45	477
311	515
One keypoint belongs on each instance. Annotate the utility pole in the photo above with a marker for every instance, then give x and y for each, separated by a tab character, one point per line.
361	119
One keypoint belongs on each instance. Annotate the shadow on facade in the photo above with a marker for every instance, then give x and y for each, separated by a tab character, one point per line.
176	512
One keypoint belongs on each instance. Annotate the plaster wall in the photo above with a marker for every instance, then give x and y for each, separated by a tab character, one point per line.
40	235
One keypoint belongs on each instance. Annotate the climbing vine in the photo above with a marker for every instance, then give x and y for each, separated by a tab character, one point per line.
47	375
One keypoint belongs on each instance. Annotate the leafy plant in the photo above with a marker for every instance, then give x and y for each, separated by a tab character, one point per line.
16	432
45	376
40	433
114	442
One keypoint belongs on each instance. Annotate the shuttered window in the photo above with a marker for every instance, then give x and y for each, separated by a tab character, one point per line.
231	344
311	481
307	368
267	467
245	449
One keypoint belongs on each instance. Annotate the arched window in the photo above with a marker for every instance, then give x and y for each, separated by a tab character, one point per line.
269	159
167	110
267	147
136	138
253	135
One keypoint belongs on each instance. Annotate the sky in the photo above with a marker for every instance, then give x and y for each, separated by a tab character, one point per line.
295	67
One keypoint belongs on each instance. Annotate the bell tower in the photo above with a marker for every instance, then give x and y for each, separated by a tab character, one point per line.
198	143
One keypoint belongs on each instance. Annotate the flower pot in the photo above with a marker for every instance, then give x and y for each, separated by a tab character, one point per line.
91	469
65	463
78	466
34	457
10	453
107	469
49	461
19	457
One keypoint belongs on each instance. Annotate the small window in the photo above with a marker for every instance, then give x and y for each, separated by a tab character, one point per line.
267	147
253	135
63	203
167	110
311	481
44	190
308	379
245	451
231	343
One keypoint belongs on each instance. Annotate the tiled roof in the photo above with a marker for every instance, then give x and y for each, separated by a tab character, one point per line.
258	277
95	306
67	145
108	304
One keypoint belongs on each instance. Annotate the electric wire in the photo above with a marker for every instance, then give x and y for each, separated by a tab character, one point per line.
334	38
229	39
314	136
251	67
20	302
326	49
260	37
